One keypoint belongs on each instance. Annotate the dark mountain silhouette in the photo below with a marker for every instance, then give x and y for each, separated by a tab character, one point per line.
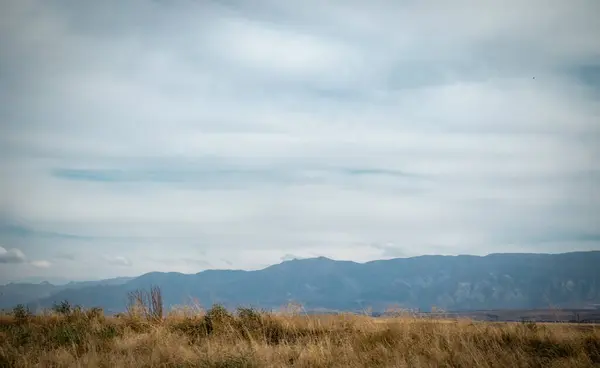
496	281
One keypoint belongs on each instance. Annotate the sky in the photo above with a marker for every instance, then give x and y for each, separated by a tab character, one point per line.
188	135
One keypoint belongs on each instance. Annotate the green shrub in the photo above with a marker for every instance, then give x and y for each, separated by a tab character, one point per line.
21	313
63	307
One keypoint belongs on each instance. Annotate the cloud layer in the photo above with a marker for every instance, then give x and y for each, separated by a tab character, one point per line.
17	257
206	134
11	256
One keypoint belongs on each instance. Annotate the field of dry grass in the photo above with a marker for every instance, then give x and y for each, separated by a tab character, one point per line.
186	338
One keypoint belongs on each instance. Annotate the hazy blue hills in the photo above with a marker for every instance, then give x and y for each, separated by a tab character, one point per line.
25	293
496	281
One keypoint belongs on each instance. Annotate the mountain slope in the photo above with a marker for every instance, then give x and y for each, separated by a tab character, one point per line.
450	282
22	293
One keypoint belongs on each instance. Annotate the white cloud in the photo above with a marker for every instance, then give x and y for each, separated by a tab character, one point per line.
41	264
118	261
16	256
12	256
269	49
252	132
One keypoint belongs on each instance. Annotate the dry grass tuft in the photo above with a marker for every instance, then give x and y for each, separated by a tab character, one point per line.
247	338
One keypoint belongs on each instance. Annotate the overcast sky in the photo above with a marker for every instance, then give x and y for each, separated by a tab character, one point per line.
146	136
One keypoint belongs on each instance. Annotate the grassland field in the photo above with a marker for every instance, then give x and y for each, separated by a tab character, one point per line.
190	337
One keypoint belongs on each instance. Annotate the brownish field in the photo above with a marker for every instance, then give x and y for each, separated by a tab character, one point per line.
531	315
76	338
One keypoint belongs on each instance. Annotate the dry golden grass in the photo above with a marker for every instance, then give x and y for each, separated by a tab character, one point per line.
251	339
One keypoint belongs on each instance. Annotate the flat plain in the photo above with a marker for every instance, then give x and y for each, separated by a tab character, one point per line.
248	338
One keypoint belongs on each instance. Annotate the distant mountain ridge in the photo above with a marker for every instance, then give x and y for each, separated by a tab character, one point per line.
15	293
495	281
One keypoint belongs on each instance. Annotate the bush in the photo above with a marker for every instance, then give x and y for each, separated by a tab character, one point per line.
218	319
63	308
146	304
21	313
95	313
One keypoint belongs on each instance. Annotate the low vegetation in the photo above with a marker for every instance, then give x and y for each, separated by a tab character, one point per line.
70	336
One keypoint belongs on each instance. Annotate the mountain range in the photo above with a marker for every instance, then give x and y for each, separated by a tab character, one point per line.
453	283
